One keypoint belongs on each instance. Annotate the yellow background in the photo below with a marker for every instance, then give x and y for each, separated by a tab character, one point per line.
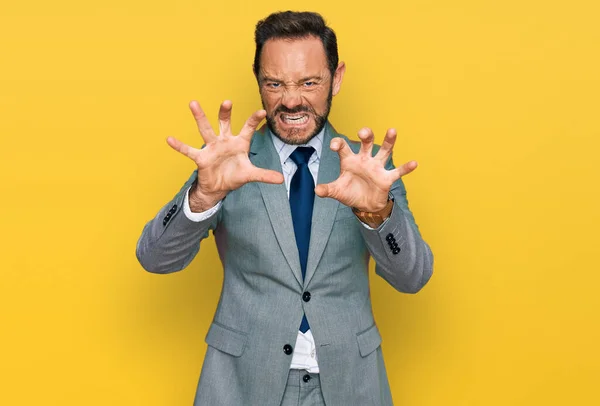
497	100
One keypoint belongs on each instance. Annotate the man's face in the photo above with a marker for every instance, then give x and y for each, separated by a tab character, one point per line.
296	87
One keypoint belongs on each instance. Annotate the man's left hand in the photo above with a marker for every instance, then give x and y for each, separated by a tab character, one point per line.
364	183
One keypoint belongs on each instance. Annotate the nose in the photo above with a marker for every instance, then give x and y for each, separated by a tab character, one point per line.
291	97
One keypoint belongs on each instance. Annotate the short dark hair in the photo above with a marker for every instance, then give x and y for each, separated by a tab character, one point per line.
295	25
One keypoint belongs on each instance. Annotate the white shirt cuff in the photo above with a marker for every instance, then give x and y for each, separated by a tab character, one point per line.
197	217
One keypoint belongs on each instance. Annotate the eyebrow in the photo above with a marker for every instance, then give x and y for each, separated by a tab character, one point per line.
304	79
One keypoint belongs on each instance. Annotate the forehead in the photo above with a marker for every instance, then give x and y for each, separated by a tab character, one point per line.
291	58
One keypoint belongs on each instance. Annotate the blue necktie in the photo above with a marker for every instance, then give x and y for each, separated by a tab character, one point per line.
302	198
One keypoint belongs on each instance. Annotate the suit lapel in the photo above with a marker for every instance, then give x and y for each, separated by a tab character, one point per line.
325	208
264	155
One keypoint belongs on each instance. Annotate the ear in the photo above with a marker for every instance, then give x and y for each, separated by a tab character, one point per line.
338	76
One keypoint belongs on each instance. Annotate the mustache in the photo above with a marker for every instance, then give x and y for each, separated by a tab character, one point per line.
297	109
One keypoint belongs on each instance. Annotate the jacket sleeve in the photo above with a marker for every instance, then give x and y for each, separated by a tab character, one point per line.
170	241
401	255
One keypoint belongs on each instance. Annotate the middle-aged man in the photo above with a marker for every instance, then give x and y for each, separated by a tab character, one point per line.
294	324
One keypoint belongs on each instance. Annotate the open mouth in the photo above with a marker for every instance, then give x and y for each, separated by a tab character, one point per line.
294	119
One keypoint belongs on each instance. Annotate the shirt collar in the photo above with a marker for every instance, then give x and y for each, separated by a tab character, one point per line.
285	150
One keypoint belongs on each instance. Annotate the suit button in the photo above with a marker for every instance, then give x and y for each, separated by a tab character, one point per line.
306	296
306	378
389	237
287	349
396	251
174	208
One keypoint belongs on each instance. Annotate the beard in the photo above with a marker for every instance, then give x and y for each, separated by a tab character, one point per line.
292	138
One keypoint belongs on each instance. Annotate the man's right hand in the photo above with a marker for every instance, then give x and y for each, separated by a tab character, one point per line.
223	164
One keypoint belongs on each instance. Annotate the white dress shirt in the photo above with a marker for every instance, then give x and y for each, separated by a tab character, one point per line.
305	354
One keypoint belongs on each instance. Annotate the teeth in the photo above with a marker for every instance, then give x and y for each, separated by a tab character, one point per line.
295	119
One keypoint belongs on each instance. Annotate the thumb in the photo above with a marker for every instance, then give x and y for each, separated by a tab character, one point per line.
323	190
265	176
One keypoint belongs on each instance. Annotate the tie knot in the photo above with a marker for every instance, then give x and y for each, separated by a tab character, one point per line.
301	155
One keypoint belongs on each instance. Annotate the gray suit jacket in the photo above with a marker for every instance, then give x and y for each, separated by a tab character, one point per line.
261	304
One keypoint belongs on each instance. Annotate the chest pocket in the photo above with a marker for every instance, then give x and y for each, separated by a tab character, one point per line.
343	212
